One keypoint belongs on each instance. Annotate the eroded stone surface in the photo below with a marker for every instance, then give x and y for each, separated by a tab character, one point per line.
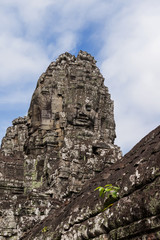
65	140
52	160
15	137
135	215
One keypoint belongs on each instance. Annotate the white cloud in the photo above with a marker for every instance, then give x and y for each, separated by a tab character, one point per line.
65	42
33	31
131	63
19	58
17	97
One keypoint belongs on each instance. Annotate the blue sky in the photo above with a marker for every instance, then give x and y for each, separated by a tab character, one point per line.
122	35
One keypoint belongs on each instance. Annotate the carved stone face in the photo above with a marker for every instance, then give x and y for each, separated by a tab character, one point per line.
43	109
71	119
71	96
81	114
39	114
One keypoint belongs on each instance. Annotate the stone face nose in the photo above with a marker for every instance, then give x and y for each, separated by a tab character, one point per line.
82	111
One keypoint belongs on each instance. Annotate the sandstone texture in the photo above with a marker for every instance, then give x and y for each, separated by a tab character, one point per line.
65	140
134	215
52	160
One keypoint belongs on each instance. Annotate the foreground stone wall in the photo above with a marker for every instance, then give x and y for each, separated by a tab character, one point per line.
134	215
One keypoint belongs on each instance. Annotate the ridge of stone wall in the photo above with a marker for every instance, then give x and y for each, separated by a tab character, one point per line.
134	215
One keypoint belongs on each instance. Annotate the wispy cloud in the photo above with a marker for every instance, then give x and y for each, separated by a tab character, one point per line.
34	31
131	56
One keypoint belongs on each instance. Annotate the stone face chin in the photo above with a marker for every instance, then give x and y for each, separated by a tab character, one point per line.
52	160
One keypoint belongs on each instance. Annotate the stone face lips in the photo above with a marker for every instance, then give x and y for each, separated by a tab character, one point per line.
65	140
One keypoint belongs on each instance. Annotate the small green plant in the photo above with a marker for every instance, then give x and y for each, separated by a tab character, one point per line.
111	191
112	195
45	229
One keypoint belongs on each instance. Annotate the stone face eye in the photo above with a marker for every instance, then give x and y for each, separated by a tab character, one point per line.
78	106
88	107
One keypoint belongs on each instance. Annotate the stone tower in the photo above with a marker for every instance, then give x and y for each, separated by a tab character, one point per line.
68	135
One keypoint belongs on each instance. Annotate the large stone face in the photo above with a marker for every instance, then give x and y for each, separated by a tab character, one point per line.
71	128
71	101
65	140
